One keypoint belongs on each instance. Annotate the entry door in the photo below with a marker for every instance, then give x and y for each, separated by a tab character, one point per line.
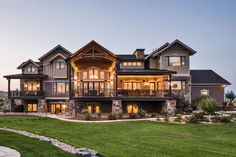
58	108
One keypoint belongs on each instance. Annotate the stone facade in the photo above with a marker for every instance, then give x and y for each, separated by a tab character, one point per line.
70	109
42	106
116	106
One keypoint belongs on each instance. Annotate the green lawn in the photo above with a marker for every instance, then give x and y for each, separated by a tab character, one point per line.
135	139
29	147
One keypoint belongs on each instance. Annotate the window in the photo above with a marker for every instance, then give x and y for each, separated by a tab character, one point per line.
60	87
204	92
31	69
175	61
31	86
102	75
85	75
132	108
132	85
32	107
178	85
93	73
60	64
132	63
93	108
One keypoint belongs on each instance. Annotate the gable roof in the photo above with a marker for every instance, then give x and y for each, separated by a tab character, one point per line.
37	64
52	50
58	55
89	44
157	50
163	48
207	77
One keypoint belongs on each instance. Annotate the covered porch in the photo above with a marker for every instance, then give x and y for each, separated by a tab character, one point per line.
31	86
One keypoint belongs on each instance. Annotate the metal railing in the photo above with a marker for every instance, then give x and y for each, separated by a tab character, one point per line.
18	93
142	93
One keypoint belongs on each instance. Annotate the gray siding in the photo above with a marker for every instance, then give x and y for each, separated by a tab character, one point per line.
176	51
25	71
216	92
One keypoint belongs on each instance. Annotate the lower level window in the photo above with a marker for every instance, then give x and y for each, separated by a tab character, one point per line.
32	107
93	108
132	108
204	92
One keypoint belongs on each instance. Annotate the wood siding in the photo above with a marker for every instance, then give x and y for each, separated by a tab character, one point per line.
216	92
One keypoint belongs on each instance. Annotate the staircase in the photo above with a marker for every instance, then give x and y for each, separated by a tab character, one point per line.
181	103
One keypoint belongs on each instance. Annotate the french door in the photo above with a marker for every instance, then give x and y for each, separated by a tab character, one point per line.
93	88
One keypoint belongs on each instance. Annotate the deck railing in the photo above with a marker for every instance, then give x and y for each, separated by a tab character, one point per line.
18	94
142	93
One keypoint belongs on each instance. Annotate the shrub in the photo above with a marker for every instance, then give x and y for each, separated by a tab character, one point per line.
193	119
141	113
166	119
120	115
208	105
112	116
99	114
196	102
178	118
199	115
224	119
87	116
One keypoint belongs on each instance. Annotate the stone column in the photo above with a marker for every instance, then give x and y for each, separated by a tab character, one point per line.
170	107
116	106
70	108
42	106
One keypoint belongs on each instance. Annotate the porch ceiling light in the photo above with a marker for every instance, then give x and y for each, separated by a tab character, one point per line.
26	85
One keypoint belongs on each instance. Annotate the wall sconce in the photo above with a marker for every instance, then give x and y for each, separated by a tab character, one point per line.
26	85
37	85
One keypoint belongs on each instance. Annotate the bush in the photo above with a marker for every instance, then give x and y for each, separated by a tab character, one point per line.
193	119
142	113
208	105
166	119
178	118
196	117
196	102
223	119
99	114
87	116
112	116
120	115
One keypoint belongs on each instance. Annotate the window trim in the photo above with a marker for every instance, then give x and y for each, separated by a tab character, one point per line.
60	64
55	88
182	61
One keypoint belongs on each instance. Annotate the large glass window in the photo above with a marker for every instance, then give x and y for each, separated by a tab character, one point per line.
132	108
85	75
132	85
60	87
32	107
93	73
31	86
102	75
175	61
60	64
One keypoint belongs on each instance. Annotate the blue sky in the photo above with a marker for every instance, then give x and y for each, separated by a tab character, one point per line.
28	29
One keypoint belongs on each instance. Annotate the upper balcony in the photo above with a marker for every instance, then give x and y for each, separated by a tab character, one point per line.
16	94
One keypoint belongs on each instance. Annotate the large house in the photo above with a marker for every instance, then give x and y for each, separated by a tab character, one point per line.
98	80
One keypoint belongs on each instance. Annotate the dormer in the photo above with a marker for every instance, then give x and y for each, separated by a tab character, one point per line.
30	67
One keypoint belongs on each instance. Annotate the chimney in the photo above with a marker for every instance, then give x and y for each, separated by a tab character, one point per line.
139	53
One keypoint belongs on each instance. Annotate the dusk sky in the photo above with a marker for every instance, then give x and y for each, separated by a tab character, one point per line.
28	29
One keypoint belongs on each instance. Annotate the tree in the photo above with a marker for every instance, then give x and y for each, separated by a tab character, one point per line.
230	97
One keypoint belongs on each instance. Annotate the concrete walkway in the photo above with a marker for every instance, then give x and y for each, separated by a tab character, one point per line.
8	152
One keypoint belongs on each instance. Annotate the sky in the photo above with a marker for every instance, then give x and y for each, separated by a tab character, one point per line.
30	28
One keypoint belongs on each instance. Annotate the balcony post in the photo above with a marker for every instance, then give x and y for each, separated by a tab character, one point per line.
9	88
69	75
116	81
170	84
